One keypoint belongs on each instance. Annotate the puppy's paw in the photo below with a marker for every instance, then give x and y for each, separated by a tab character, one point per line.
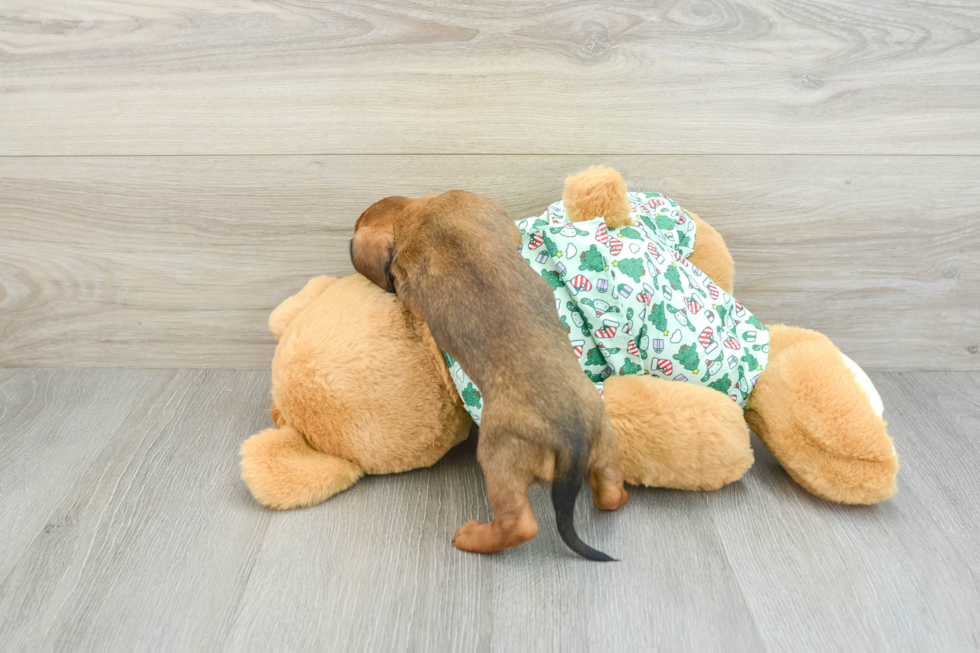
468	538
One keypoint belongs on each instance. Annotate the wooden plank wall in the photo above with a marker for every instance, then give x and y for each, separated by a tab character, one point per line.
169	172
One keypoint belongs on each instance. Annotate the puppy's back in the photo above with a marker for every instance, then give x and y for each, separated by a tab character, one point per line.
481	300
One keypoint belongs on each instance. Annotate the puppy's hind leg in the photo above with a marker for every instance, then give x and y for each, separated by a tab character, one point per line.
506	467
606	478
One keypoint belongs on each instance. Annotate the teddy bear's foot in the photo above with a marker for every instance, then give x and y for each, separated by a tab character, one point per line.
282	471
811	412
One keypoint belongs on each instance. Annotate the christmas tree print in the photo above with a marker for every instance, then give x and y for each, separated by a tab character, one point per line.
449	359
665	222
595	378
683	240
722	313
688	357
648	222
673	276
754	322
631	267
540	222
751	361
553	279
592	260
564	322
471	396
659	318
630	367
594	357
629	314
550	245
722	384
630	232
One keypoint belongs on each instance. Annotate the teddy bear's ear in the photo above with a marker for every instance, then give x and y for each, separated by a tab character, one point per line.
597	192
372	246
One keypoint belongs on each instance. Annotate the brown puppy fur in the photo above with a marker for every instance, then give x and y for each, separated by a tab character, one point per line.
452	261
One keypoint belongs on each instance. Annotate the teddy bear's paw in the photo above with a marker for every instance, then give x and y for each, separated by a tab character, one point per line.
819	421
282	471
863	380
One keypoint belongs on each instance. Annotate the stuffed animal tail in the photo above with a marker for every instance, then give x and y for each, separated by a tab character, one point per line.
283	471
571	470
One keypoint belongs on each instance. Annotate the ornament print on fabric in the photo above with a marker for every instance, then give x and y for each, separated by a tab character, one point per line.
632	303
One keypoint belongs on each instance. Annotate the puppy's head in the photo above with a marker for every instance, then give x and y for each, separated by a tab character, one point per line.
372	246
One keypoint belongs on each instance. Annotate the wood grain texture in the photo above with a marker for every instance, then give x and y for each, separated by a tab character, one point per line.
939	464
147	548
799	560
177	261
54	428
316	77
143	538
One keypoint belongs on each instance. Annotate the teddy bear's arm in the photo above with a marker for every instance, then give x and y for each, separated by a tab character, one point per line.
711	254
284	314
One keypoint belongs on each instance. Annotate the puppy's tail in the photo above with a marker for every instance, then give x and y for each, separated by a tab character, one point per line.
571	469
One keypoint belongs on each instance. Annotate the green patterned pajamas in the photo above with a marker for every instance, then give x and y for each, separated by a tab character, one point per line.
633	304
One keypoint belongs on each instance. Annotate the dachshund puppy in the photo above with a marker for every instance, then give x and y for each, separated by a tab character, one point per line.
453	261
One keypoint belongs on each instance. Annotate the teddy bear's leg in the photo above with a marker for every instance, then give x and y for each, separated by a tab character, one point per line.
677	435
711	255
283	471
810	411
293	306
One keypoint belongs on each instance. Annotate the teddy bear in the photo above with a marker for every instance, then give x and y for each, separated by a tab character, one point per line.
359	386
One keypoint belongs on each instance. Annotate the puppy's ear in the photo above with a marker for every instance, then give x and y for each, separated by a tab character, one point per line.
370	253
372	247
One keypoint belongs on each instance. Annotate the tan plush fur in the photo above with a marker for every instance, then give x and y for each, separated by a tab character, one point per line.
283	472
350	390
685	437
811	414
596	192
281	318
350	400
360	387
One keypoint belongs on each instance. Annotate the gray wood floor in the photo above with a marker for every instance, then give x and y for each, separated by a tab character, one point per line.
124	526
